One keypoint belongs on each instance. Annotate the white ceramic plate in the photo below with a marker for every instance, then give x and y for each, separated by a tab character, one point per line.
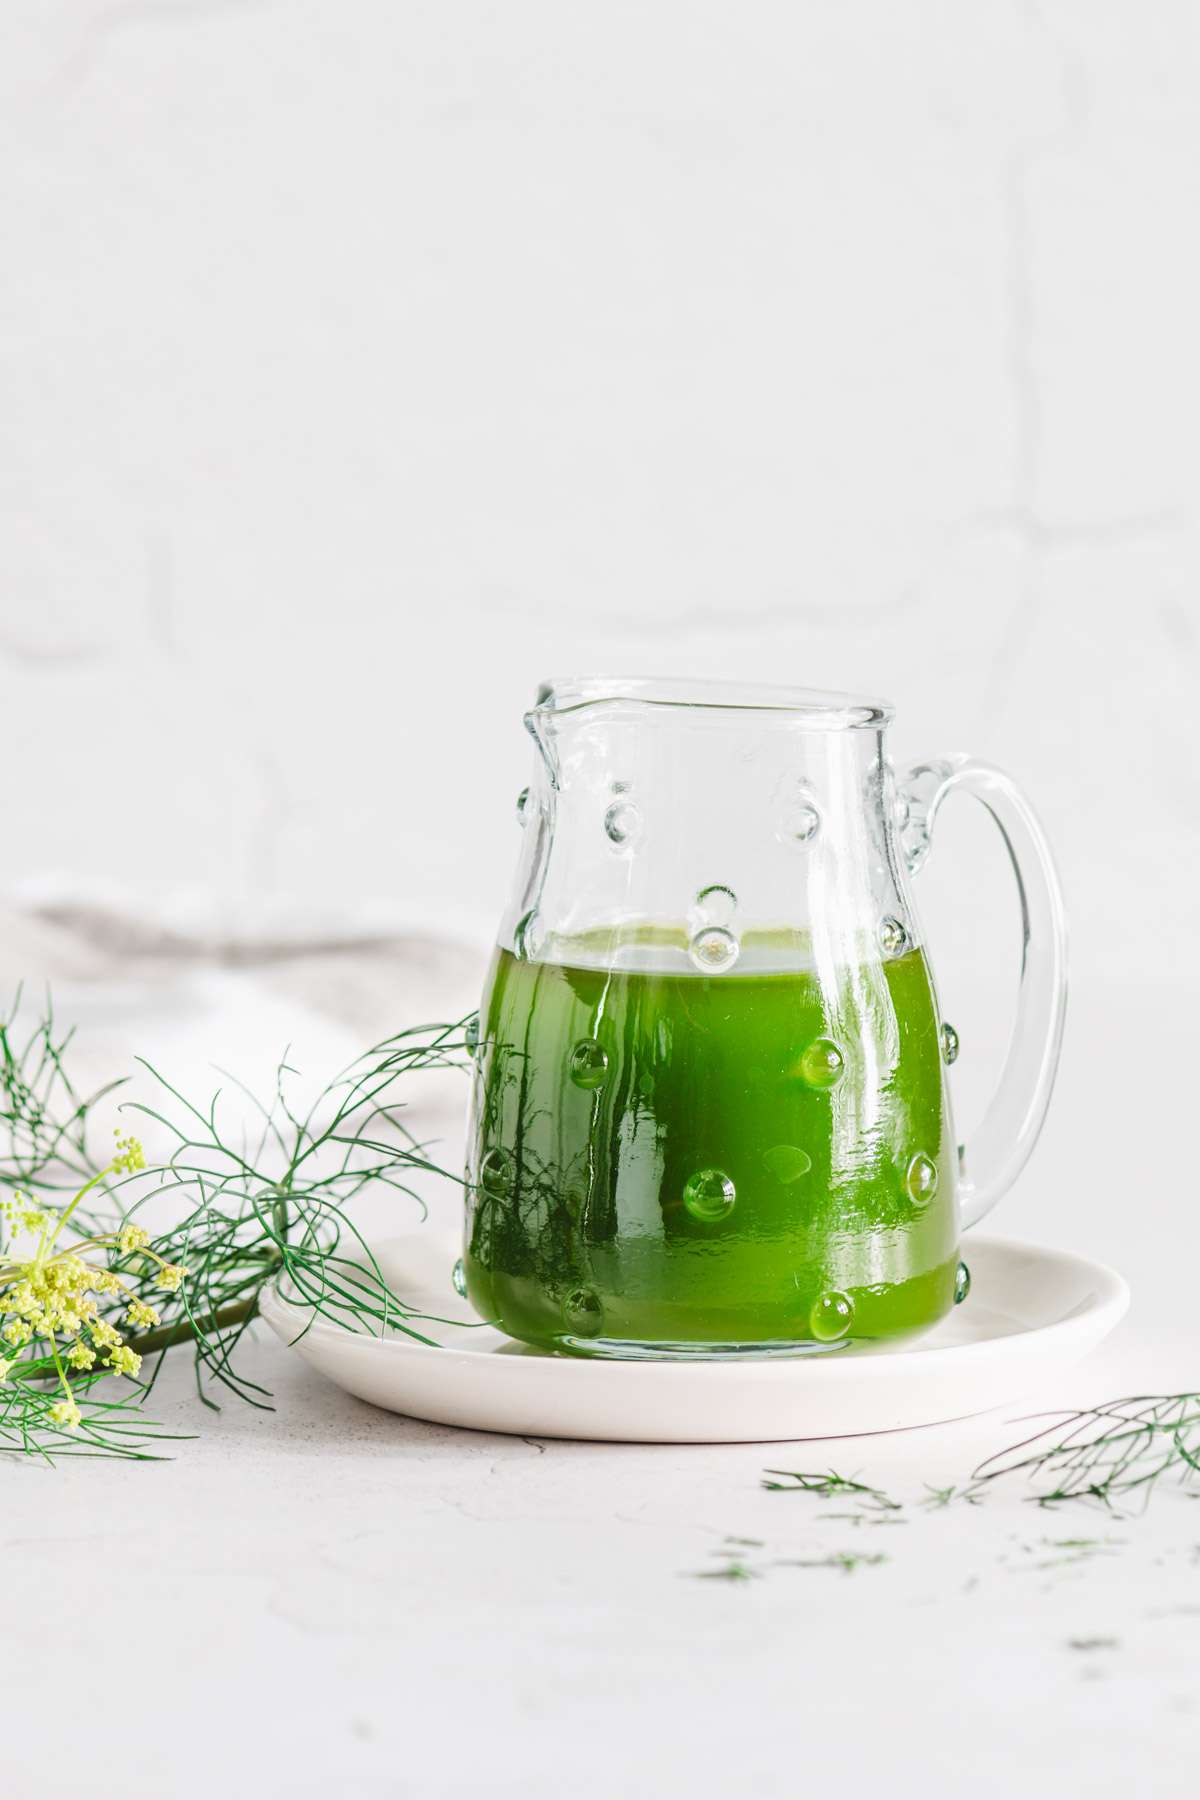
1031	1314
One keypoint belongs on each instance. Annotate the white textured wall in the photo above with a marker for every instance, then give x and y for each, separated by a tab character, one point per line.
363	362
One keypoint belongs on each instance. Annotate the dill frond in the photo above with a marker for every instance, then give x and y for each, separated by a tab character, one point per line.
1107	1455
244	1217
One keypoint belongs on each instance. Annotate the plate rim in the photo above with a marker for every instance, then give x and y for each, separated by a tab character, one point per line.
1106	1307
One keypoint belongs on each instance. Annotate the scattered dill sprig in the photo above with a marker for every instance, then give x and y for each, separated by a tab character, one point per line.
938	1498
848	1561
865	1517
1074	1550
827	1487
730	1571
1107	1454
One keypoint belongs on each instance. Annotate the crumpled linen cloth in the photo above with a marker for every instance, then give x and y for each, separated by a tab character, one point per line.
195	995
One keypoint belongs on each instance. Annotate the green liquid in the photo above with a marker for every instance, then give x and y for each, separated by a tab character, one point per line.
689	1163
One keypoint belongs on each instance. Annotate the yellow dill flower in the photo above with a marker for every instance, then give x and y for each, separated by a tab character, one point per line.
22	1300
64	1412
104	1281
24	1214
68	1273
129	1156
123	1361
140	1313
17	1333
132	1237
80	1357
103	1334
169	1277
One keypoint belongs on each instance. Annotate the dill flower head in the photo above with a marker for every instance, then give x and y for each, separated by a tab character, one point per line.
169	1277
20	1213
49	1295
140	1313
128	1157
131	1238
64	1412
122	1360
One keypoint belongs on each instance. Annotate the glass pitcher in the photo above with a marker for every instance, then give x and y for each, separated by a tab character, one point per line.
710	1110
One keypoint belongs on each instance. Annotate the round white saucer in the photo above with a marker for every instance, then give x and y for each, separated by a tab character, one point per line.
1031	1314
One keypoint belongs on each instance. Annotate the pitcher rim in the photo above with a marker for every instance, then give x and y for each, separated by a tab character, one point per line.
814	708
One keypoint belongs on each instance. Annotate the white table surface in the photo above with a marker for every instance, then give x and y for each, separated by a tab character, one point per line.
345	1602
328	1600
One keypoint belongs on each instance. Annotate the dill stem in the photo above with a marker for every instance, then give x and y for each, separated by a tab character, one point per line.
166	1336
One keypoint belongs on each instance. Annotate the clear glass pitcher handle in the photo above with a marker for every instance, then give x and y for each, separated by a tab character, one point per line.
1001	1144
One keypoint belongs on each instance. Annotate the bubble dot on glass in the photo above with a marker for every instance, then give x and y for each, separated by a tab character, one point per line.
527	938
921	1179
787	1162
622	822
949	1043
588	1066
496	1173
582	1312
831	1317
523	806
709	1195
800	824
717	901
713	949
893	936
962	1283
458	1276
822	1063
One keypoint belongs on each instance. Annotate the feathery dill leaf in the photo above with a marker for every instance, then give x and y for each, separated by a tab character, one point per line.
243	1215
